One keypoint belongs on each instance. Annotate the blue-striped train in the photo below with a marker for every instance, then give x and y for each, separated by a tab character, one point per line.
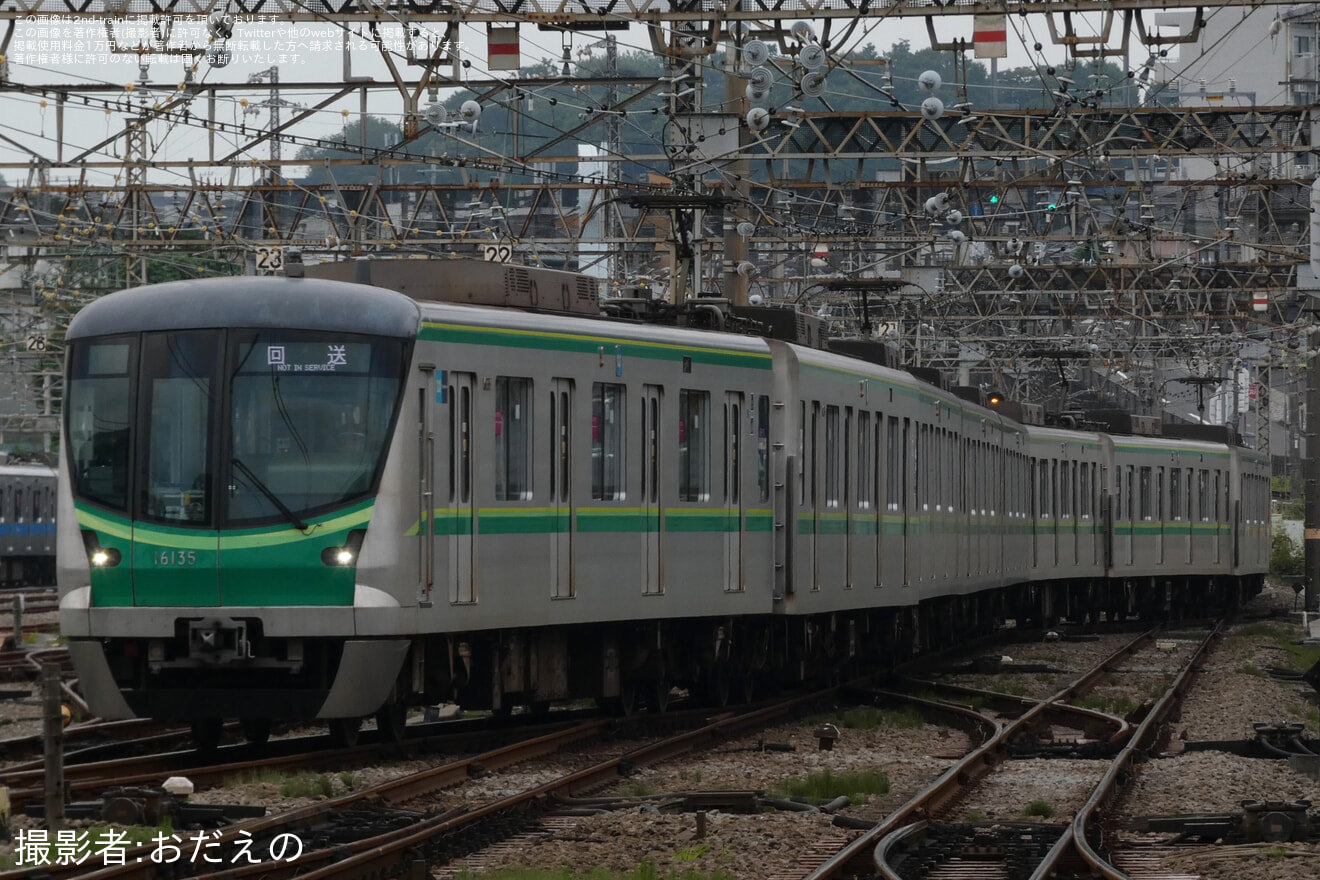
27	521
308	498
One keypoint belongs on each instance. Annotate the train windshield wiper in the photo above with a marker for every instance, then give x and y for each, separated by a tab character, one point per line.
274	499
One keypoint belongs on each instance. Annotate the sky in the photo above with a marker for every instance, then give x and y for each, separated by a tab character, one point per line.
61	51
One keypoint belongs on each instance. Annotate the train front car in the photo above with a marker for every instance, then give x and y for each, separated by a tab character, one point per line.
224	442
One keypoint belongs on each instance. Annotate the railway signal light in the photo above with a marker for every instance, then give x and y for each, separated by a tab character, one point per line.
994	398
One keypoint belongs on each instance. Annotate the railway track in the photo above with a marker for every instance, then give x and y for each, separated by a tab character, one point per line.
373	833
915	831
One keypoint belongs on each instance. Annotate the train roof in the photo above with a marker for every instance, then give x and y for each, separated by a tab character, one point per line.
590	327
303	303
26	470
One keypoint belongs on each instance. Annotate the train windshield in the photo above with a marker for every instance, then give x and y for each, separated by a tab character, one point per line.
300	425
311	414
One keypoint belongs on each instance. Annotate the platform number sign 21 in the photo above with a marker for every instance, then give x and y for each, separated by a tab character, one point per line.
497	253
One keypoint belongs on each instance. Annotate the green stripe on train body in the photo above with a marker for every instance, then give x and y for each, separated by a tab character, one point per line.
266	565
539	340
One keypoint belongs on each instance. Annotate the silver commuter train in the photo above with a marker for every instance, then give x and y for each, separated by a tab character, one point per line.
536	507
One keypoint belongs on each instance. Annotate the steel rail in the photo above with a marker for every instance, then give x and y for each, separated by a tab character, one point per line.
1145	737
967	771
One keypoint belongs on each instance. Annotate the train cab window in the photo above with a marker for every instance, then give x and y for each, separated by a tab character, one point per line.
693	445
98	415
863	460
832	456
177	403
763	446
513	439
608	441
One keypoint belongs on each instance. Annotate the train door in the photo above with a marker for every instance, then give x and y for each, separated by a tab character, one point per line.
176	548
427	400
459	573
563	584
733	513
847	496
813	495
906	440
653	572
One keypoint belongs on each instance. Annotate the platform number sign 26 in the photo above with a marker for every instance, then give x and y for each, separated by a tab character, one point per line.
269	261
497	253
36	342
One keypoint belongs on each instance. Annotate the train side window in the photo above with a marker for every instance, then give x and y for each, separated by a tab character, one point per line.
654	454
465	444
846	441
1203	494
815	455
763	446
893	463
1131	499
1187	484
733	469
1159	495
513	438
802	452
608	441
18	505
863	460
36	505
693	445
453	440
831	456
1175	494
1144	481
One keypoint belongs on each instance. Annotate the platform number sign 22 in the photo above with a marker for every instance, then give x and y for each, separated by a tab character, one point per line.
497	253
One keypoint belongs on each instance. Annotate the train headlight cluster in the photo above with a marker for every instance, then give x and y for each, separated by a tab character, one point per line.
98	556
347	554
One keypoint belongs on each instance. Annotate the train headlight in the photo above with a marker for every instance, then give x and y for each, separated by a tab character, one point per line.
98	556
346	554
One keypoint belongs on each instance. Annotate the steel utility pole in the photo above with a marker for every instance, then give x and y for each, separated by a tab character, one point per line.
1311	469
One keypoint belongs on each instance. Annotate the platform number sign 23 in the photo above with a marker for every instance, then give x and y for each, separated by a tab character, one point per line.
497	253
269	261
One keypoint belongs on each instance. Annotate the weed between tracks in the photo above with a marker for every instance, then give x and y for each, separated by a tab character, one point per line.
869	718
826	785
300	785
